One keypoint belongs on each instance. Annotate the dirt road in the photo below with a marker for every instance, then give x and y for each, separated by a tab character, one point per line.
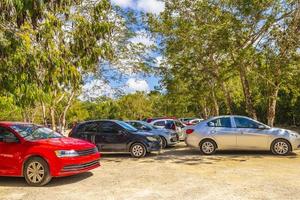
176	173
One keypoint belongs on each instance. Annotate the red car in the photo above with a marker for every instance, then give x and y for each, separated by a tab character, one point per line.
38	153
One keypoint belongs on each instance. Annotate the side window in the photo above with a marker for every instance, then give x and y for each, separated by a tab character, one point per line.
242	122
159	123
91	127
109	127
5	133
220	122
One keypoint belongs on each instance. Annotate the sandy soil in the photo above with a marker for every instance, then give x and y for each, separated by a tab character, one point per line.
176	173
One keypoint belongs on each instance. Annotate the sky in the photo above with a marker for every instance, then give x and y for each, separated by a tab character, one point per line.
132	82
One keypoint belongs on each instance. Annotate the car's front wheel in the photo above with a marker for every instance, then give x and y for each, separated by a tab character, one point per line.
281	147
208	147
163	142
138	150
36	172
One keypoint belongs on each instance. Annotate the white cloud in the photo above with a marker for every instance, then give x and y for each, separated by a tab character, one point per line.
149	6
137	85
123	3
143	40
96	88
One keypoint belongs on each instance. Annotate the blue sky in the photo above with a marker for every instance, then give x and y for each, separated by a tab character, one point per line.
131	82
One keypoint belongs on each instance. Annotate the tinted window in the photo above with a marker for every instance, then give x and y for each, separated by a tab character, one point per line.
242	122
5	133
159	123
109	127
91	127
126	126
220	122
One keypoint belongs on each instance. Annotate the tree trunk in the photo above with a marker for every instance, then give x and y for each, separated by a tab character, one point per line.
44	113
228	99
247	94
64	114
52	114
272	105
215	103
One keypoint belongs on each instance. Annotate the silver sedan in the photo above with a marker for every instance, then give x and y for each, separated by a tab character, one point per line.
240	133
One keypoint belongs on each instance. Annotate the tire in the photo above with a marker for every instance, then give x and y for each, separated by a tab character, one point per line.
163	142
208	147
281	147
138	150
36	172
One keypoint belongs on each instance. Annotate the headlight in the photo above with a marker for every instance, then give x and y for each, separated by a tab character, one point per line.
66	153
152	139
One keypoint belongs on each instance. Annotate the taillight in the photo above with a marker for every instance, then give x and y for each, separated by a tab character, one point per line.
189	131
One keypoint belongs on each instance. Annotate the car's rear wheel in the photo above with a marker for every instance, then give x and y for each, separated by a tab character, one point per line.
36	172
138	150
208	147
163	142
281	147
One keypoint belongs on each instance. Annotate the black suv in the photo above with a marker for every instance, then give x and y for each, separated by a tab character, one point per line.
116	136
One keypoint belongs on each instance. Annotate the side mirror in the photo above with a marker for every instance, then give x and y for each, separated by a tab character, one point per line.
261	127
10	139
121	132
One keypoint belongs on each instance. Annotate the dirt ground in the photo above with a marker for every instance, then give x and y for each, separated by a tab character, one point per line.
176	173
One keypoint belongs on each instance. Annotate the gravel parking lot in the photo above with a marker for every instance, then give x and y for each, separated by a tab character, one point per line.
176	173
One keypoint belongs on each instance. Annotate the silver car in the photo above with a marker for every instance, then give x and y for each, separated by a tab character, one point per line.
240	133
168	137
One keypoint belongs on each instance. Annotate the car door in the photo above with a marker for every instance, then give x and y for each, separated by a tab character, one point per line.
251	136
10	153
222	131
88	131
114	137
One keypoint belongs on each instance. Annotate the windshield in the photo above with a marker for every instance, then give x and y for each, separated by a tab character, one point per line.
34	132
149	126
127	126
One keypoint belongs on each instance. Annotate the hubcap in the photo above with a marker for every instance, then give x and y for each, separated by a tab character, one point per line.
207	147
281	147
35	172
137	150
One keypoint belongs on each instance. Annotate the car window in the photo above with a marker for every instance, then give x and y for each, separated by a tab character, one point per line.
178	124
109	127
159	123
91	127
220	122
5	133
242	122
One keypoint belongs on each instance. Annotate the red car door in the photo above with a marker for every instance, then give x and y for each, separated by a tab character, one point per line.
10	153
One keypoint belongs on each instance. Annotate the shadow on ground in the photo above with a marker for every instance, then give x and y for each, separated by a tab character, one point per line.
20	181
181	154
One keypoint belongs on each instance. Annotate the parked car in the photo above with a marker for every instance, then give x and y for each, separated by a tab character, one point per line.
168	137
240	133
149	120
38	153
117	136
171	124
190	121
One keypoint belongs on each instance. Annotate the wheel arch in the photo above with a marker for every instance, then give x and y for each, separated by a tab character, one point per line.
35	156
210	139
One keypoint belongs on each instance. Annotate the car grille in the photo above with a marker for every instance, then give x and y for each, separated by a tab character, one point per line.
86	152
69	168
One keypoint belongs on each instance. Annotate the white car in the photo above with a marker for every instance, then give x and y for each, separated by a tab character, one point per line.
172	124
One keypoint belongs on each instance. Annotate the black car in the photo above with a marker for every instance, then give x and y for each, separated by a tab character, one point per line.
116	136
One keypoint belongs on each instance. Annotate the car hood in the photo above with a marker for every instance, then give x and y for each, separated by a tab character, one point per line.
145	133
64	143
281	131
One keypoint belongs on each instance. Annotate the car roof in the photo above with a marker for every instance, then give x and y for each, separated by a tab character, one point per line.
10	123
98	120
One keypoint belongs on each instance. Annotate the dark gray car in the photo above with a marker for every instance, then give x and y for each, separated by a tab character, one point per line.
169	137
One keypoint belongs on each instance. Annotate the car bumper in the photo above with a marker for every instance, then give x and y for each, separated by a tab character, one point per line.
296	144
154	146
76	165
173	140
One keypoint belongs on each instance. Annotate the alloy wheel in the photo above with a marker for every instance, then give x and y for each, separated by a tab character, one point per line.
138	150
281	147
208	147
